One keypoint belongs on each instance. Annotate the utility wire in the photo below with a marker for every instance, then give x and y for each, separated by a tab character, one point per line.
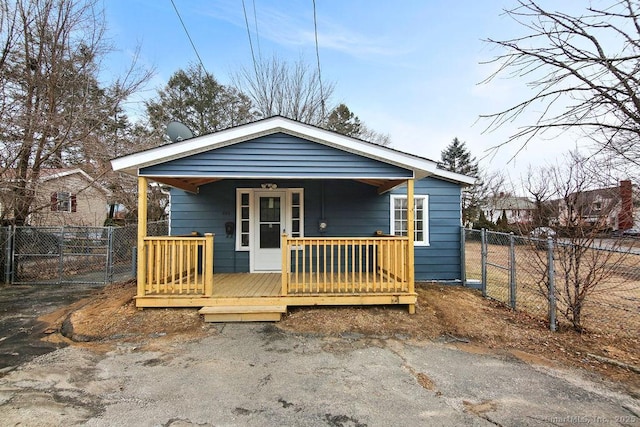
246	21
255	20
188	36
315	27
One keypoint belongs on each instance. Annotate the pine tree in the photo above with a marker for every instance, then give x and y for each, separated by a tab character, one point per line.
457	158
343	121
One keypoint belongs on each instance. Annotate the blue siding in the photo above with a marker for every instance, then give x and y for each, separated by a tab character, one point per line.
277	155
350	208
441	259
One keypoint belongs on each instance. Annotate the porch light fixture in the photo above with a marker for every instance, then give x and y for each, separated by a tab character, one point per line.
269	186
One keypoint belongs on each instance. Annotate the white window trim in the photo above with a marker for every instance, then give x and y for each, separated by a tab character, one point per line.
238	226
425	217
64	195
288	224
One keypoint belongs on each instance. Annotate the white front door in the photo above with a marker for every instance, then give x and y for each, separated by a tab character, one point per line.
269	219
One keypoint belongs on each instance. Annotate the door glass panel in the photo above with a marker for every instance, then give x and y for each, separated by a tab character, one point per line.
270	222
270	209
269	236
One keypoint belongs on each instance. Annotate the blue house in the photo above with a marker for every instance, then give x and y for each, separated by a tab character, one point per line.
277	213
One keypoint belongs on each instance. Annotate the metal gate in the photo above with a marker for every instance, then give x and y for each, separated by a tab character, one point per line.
58	255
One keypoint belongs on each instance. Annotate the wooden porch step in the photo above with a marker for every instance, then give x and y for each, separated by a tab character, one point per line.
239	313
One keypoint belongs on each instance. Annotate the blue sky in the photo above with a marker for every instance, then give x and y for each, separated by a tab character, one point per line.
411	69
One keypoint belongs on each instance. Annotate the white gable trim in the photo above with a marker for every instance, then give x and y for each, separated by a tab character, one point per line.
69	172
420	166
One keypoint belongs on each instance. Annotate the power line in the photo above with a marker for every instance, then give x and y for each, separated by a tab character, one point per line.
315	27
188	36
255	20
246	21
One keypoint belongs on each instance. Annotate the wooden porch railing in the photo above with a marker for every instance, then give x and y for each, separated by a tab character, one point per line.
324	265
178	265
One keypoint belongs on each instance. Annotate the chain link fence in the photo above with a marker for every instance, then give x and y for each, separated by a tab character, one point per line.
594	288
59	255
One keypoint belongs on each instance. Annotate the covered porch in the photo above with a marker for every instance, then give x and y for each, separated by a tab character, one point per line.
178	271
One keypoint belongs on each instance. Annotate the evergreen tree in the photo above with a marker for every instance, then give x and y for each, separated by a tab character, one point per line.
503	222
343	121
195	98
457	158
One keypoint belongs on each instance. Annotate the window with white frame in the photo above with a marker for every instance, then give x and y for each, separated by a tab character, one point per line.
63	201
296	208
243	220
421	218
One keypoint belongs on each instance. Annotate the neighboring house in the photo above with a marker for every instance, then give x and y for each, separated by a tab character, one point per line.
517	210
610	208
301	216
65	196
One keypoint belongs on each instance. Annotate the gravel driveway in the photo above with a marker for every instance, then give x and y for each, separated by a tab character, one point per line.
257	375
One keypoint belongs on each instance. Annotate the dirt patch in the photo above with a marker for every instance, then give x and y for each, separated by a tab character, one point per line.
111	316
453	315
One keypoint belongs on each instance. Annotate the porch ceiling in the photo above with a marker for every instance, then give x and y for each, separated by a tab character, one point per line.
187	184
192	184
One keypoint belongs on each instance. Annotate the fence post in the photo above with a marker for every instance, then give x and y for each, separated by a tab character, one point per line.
8	256
109	273
134	261
483	252
463	260
512	272
61	257
551	285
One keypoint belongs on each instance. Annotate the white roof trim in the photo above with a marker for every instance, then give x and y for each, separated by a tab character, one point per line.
420	166
89	178
67	173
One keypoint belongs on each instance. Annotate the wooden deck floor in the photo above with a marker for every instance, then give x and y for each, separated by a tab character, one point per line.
251	285
246	285
264	289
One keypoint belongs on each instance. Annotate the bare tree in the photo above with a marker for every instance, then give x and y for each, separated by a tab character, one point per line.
293	90
586	267
53	106
583	72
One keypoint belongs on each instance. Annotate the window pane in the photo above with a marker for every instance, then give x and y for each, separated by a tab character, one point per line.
295	212
245	213
296	226
418	203
245	226
295	198
245	240
244	199
269	236
419	236
270	209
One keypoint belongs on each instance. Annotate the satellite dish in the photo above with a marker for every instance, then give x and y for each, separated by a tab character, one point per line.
178	132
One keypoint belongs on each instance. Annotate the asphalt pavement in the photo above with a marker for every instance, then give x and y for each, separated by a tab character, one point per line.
20	307
258	375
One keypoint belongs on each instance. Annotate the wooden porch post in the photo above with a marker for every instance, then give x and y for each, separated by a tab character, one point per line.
411	235
208	265
142	233
284	270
